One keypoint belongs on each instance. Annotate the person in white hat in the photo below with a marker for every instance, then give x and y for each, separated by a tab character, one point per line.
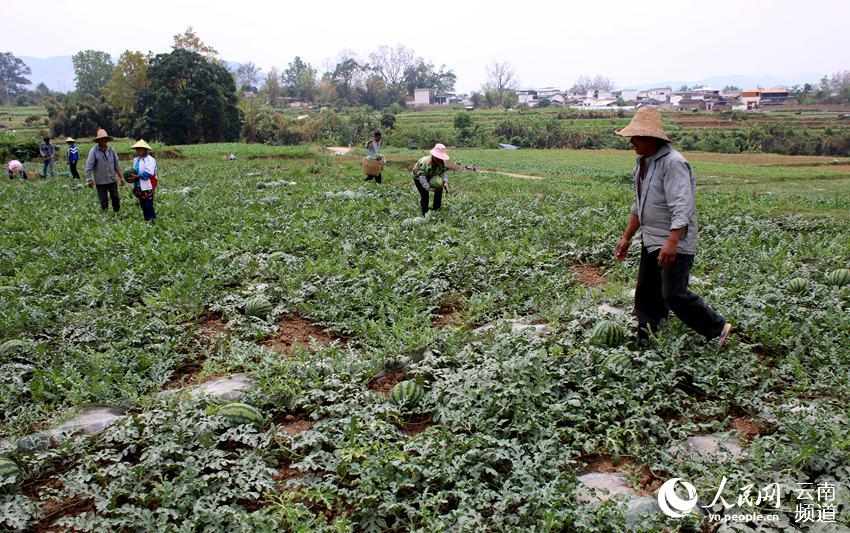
664	209
73	157
425	174
144	179
102	167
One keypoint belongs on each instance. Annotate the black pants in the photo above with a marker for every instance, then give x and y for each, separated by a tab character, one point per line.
660	290
20	173
147	208
74	173
376	178
423	197
112	190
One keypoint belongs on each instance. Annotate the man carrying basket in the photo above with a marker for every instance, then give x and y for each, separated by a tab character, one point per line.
374	162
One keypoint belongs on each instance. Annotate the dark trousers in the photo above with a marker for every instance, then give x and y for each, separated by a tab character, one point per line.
376	178
147	208
20	173
660	290
423	197
112	190
73	166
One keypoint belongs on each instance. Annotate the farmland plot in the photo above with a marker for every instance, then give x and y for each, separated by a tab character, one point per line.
489	305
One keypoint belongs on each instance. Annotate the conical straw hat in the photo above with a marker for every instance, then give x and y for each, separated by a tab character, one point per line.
645	123
101	134
142	144
70	140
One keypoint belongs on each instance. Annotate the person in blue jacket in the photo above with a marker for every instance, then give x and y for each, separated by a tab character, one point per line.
73	157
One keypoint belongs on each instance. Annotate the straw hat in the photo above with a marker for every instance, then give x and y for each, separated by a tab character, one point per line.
645	123
70	140
439	152
101	134
142	144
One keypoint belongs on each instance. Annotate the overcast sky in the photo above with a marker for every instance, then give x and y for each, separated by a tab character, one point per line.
548	43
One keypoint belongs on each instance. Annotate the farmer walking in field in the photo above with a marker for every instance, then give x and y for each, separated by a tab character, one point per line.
429	173
102	167
73	157
664	209
48	154
144	179
373	149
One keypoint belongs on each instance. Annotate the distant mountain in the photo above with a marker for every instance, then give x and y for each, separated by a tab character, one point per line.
744	82
56	72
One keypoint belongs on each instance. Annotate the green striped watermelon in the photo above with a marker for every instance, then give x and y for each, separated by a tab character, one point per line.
436	182
9	471
258	306
608	333
415	221
407	393
11	346
237	413
617	363
838	278
798	285
128	173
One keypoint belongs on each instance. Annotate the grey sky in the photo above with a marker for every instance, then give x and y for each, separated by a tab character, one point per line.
548	43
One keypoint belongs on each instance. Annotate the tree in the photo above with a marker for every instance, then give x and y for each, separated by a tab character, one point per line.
189	99
189	40
81	116
247	76
272	87
392	65
299	80
128	79
92	71
501	81
13	76
598	83
731	88
346	77
423	74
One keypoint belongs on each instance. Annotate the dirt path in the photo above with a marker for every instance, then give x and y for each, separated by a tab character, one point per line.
512	175
339	150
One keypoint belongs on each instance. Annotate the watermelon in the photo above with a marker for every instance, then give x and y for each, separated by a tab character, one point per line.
838	278
608	333
407	393
9	471
128	174
258	306
415	221
617	363
11	346
798	285
436	182
241	413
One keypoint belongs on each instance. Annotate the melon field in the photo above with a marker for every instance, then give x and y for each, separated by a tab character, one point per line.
282	281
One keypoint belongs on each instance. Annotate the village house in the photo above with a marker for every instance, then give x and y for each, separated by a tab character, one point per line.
527	97
425	97
755	98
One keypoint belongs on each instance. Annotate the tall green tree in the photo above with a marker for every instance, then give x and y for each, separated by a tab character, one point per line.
13	76
92	69
300	80
272	88
128	79
189	40
189	99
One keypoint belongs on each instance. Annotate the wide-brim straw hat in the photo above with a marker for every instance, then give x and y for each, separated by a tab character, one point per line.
142	144
646	122
101	134
70	140
439	152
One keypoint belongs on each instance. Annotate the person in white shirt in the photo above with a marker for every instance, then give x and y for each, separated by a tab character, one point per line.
144	179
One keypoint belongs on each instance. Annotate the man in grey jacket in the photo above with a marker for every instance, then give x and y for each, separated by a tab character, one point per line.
102	167
664	210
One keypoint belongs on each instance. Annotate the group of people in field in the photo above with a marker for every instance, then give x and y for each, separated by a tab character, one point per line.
103	171
664	210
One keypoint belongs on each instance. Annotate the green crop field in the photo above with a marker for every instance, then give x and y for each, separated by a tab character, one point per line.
99	309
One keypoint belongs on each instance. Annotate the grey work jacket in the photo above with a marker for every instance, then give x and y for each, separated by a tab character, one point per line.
101	166
667	201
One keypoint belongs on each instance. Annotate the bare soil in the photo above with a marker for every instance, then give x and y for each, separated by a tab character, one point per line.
747	427
213	326
416	424
295	333
588	275
386	383
54	509
448	312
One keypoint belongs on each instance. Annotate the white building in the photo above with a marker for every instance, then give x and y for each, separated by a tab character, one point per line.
662	94
629	95
423	97
527	97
